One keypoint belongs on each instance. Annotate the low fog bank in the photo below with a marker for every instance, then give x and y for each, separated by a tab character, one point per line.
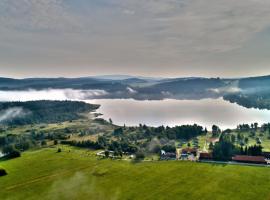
51	94
11	113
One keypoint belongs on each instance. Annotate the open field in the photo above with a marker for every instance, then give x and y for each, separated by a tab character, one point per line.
77	174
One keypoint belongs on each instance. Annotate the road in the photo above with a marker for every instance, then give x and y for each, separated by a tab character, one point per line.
233	163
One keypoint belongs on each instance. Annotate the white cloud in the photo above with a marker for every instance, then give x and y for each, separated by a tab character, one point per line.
11	113
232	87
131	91
50	94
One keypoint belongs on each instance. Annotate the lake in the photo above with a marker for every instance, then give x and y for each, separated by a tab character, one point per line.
169	112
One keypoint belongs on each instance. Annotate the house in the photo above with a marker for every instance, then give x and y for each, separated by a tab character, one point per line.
189	154
167	155
266	154
249	159
206	156
189	151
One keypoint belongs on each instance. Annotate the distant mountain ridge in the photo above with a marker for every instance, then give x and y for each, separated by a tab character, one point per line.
147	88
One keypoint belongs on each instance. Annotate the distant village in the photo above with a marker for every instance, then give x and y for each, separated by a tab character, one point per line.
193	154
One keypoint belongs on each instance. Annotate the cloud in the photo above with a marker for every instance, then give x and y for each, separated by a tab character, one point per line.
36	15
51	94
129	12
127	36
202	25
131	91
232	87
84	94
225	90
11	113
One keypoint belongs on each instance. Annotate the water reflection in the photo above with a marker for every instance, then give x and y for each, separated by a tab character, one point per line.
155	113
170	112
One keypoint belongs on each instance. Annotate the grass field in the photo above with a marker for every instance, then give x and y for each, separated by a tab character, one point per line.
77	174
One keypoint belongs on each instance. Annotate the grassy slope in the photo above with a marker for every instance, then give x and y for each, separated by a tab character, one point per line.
45	174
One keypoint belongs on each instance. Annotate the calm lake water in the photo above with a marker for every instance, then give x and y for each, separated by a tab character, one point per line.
170	112
155	113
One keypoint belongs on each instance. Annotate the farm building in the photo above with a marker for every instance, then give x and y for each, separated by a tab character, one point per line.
266	154
189	151
205	156
189	154
249	159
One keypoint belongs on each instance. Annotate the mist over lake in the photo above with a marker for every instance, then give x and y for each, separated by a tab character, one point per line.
205	112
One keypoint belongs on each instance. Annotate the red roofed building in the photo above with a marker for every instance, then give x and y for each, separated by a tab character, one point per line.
249	159
206	156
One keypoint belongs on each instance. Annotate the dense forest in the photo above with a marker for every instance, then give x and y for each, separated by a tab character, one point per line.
254	100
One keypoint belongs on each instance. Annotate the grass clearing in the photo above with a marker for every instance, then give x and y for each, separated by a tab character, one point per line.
78	174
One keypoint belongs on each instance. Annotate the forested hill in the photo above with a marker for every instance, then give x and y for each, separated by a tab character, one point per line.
249	92
254	93
20	113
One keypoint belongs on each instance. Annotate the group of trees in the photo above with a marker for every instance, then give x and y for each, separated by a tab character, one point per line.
247	127
24	142
11	152
256	100
102	143
185	132
225	148
215	131
20	142
84	144
255	150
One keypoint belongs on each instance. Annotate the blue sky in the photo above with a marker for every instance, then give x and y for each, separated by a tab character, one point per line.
152	38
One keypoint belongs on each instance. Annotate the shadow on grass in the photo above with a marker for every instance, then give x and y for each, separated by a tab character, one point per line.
219	164
136	161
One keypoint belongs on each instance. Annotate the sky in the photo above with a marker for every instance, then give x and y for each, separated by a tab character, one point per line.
162	38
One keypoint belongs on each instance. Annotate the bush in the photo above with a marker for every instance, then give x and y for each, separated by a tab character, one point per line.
14	154
169	148
3	172
107	153
11	152
43	143
139	156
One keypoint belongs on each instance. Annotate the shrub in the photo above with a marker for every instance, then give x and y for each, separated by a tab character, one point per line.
3	172
14	154
11	152
139	156
43	143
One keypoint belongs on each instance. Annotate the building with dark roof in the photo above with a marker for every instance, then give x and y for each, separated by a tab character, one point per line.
249	159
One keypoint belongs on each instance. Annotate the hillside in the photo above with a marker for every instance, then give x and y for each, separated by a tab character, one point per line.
32	112
248	92
77	174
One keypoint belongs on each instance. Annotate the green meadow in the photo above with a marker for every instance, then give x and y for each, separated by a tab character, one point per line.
79	174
